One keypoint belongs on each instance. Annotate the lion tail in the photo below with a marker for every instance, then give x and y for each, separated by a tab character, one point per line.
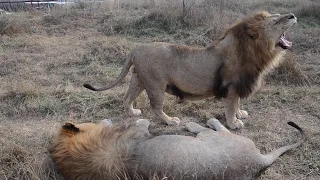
126	67
273	155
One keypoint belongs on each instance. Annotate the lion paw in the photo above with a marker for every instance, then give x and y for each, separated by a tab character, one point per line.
194	127
107	122
242	114
135	112
173	121
143	122
236	124
213	123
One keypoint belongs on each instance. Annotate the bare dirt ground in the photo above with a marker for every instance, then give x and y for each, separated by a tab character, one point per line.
46	56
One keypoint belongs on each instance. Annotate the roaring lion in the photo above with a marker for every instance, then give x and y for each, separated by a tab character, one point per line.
127	151
231	69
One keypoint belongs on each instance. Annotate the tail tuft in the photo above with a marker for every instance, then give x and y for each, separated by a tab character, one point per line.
297	127
88	86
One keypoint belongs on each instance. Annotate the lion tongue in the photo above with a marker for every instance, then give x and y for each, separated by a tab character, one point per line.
285	44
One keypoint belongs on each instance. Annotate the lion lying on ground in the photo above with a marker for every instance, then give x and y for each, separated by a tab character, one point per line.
231	69
103	151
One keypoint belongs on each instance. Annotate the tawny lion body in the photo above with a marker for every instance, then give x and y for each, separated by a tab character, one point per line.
100	151
231	69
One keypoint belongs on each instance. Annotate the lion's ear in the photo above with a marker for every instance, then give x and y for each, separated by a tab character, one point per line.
252	32
245	29
71	128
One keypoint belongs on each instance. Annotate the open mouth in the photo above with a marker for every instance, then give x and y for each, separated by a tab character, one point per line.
283	43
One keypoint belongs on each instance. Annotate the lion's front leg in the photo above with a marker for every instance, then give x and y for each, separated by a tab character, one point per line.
241	114
156	101
155	90
231	104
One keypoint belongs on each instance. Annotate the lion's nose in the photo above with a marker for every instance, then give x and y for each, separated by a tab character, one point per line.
291	16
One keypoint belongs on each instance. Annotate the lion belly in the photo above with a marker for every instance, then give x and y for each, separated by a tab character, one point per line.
184	157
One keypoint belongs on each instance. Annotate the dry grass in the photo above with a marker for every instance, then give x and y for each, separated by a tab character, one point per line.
288	73
45	57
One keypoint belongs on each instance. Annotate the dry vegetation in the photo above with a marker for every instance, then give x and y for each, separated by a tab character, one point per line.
46	56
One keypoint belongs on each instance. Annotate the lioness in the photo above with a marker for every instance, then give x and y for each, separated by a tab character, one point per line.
103	151
231	69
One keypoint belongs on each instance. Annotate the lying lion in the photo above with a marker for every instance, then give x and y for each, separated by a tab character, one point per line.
231	69
106	152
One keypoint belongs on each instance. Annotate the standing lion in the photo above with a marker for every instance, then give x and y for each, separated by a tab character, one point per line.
232	69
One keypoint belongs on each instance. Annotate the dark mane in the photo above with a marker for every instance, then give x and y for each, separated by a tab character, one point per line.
219	90
255	54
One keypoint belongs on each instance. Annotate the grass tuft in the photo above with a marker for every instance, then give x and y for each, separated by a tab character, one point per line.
50	20
289	72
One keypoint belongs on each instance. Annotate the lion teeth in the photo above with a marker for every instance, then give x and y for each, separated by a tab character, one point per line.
284	43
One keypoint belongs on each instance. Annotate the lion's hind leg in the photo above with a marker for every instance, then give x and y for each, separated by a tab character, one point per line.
135	89
215	124
195	128
155	93
212	123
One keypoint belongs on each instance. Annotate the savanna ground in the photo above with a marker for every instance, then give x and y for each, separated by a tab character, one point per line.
46	56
